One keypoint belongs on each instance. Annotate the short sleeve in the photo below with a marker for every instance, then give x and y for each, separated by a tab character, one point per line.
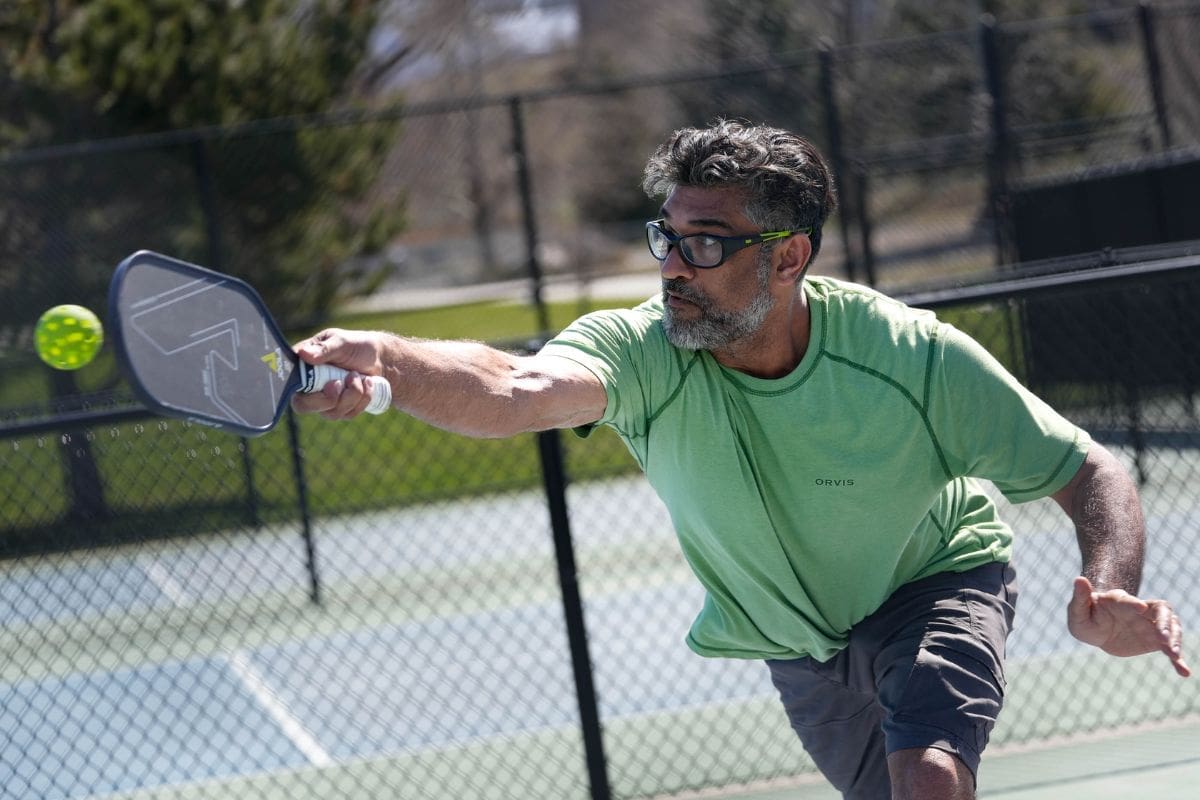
989	426
625	350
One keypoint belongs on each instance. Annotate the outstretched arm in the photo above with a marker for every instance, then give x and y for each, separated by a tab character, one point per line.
1105	610
464	387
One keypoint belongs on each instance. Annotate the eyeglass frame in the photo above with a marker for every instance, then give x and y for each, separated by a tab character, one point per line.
729	244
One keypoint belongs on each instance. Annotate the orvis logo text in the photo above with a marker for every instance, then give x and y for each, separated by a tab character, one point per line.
834	481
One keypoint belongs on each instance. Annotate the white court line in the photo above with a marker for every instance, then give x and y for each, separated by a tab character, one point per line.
164	582
292	728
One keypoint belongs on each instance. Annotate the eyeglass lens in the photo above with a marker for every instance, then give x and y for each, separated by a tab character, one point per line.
697	249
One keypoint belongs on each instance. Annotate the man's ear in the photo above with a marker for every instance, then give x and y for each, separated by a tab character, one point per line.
792	257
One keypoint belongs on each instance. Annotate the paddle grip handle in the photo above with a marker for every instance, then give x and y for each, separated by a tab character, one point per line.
313	378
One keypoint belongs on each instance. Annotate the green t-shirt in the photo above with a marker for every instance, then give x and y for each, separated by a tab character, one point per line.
801	503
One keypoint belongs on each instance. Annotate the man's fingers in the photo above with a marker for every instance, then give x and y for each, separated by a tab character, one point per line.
313	403
1173	649
1161	615
356	395
1174	652
316	349
345	398
331	401
1170	634
1079	610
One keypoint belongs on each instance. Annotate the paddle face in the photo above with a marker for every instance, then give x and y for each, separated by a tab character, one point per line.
200	345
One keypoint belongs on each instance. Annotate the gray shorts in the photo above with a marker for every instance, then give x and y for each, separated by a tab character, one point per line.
925	670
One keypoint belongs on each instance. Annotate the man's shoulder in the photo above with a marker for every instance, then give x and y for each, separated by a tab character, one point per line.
866	326
639	323
618	335
854	306
855	297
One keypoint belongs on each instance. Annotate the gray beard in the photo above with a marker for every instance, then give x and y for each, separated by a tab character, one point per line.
714	329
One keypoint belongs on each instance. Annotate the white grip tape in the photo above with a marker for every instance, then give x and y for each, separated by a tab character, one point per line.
313	378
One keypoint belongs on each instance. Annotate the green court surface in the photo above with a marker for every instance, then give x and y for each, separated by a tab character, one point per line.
1152	762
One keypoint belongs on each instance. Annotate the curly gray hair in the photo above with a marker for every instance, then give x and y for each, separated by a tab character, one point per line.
787	183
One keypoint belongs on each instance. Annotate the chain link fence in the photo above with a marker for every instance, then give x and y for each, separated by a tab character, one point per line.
379	609
245	624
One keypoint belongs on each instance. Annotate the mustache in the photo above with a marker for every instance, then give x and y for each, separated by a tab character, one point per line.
682	288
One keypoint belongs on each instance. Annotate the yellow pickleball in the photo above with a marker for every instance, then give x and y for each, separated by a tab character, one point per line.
68	336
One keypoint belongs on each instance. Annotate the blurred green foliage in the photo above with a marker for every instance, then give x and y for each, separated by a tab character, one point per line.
299	213
149	65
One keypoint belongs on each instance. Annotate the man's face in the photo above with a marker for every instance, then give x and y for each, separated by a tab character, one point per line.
711	309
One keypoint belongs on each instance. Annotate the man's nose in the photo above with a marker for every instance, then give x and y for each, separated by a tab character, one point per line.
673	266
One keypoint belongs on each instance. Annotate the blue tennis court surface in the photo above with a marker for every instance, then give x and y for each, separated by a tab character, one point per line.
409	692
147	716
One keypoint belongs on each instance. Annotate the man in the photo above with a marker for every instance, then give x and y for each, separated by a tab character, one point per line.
817	445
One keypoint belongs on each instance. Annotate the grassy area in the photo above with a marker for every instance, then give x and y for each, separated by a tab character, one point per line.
491	321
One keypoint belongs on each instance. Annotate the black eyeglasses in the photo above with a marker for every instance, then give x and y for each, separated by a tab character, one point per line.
704	250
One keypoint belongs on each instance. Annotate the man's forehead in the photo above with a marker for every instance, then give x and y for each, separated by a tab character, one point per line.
704	207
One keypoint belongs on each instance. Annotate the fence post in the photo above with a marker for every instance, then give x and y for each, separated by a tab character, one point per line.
207	195
1154	71
837	155
555	482
999	146
86	484
310	547
525	187
865	228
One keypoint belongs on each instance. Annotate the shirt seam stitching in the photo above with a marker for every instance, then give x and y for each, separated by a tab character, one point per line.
907	395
